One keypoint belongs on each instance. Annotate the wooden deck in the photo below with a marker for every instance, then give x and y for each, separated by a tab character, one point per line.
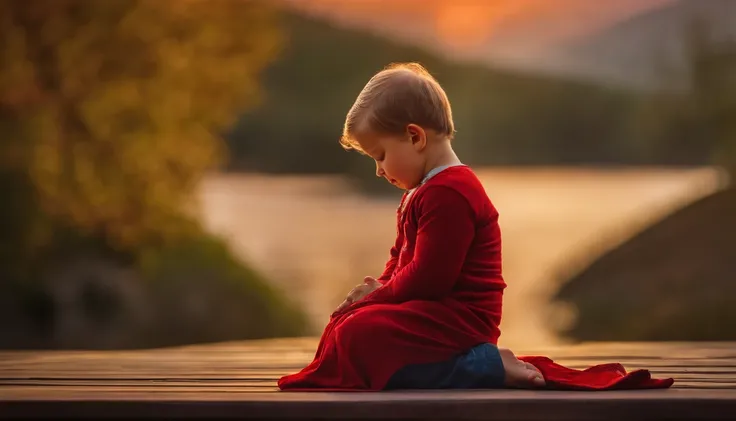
237	380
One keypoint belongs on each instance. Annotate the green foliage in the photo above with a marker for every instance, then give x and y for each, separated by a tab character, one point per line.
202	293
191	291
712	100
114	107
111	112
697	122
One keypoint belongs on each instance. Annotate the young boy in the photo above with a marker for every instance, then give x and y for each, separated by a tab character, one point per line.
431	320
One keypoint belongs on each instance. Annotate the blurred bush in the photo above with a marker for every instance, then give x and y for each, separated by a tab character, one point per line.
113	109
202	293
110	114
698	121
193	291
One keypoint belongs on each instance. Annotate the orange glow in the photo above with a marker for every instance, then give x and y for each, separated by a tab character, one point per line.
469	23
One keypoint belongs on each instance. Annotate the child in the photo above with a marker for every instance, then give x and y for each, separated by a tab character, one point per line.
431	320
437	306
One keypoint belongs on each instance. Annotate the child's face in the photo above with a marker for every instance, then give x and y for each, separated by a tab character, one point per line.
399	159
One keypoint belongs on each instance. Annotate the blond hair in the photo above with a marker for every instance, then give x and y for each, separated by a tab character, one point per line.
400	94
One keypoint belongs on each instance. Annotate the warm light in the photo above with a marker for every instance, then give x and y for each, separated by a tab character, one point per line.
470	24
465	24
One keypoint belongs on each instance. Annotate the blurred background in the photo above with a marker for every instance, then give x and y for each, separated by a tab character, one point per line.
170	169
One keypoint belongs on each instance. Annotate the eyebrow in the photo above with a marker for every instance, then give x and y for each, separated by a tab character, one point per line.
376	152
371	151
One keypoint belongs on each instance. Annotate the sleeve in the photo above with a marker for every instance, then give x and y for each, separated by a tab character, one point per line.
393	260
390	264
445	230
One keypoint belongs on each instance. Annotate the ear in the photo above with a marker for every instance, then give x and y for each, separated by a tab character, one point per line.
417	136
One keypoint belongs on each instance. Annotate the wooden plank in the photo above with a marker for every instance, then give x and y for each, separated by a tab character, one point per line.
467	405
238	379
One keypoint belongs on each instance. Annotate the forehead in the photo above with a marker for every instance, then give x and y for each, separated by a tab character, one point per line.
371	143
367	141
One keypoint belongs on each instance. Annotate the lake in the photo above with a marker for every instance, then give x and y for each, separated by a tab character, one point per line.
315	238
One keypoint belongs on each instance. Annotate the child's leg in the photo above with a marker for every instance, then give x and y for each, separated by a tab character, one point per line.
480	368
483	367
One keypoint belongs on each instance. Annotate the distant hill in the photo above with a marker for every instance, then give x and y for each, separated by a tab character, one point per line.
674	281
515	34
645	49
503	118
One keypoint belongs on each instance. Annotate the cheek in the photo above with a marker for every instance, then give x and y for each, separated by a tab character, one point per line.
394	166
404	168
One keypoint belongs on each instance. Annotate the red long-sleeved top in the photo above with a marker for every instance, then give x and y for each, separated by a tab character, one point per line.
442	291
448	244
441	295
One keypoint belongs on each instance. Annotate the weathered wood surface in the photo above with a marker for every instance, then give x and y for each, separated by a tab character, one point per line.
239	380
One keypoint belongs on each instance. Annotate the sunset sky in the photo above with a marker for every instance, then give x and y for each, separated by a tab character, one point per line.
480	26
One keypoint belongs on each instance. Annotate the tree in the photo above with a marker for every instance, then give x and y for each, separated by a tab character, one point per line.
111	111
712	99
696	121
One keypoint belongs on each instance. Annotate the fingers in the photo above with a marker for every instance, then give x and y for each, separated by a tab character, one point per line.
352	297
343	305
356	294
369	280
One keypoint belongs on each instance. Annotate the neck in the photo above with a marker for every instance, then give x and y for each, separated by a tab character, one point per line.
441	155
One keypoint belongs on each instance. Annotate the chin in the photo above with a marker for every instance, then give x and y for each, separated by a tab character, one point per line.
407	186
396	184
401	185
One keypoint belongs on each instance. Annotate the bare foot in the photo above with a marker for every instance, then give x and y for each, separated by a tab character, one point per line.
520	374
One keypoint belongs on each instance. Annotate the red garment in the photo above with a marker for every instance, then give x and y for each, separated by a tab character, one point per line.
442	291
598	377
441	295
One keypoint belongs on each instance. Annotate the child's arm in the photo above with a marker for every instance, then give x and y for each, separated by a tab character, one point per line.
445	231
393	260
390	264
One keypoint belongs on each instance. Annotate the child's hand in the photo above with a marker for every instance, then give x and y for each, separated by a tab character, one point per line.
359	292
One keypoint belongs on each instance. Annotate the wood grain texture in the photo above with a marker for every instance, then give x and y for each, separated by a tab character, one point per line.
238	379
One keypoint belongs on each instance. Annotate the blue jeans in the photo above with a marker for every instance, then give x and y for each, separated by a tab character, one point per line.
479	368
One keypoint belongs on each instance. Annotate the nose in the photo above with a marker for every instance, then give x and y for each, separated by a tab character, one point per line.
379	171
